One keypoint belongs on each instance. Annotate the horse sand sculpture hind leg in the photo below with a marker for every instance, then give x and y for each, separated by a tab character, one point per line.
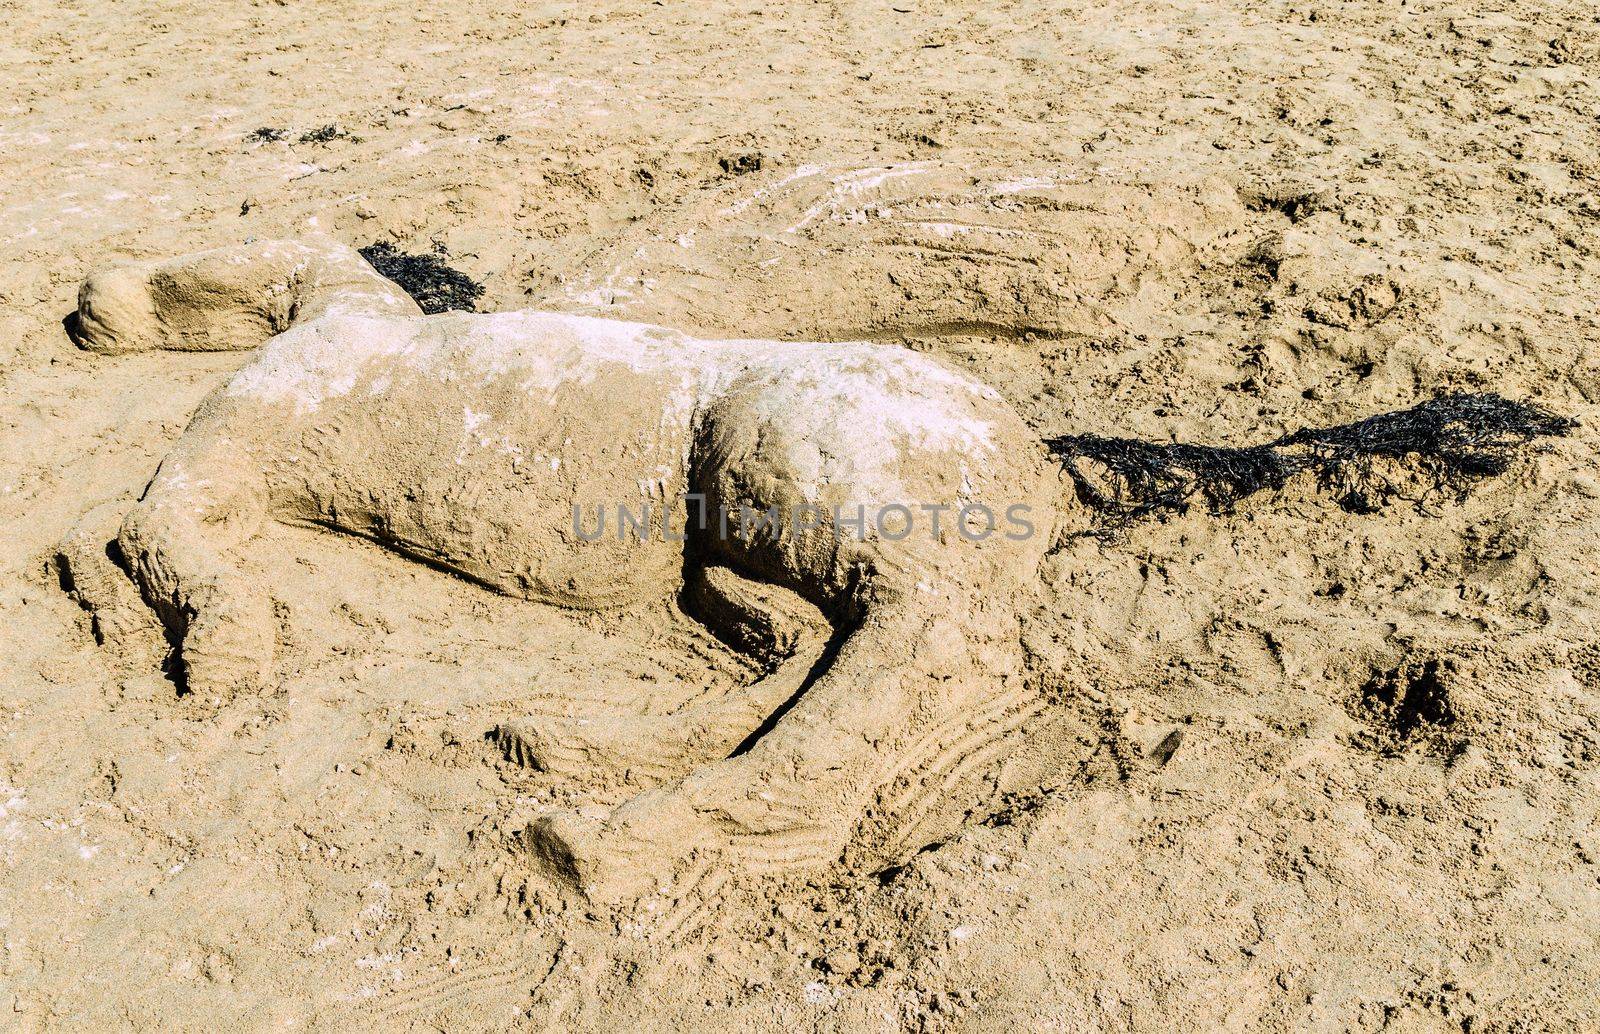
468	439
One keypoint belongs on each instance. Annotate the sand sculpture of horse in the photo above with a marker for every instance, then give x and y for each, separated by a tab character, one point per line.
902	506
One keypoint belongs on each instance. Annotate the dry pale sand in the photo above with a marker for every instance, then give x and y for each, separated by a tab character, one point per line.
1297	768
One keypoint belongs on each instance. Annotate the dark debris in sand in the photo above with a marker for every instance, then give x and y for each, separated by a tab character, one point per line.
435	286
1452	441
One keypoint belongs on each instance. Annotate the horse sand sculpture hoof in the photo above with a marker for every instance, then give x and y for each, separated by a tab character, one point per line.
489	444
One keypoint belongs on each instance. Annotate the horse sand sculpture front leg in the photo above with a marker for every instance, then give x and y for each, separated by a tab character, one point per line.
468	440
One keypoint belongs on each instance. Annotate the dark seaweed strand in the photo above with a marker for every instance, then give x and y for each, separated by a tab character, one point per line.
435	286
1457	439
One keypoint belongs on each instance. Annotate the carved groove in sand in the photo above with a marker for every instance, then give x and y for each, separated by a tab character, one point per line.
465	441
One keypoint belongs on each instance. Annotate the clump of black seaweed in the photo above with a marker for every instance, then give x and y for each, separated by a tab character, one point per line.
265	135
740	164
323	135
1453	441
435	286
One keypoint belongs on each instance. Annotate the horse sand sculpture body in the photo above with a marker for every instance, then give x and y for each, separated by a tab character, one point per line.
467	440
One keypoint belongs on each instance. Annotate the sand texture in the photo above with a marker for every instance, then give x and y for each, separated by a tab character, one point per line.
314	717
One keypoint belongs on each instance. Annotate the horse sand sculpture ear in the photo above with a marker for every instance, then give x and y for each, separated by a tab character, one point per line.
882	651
